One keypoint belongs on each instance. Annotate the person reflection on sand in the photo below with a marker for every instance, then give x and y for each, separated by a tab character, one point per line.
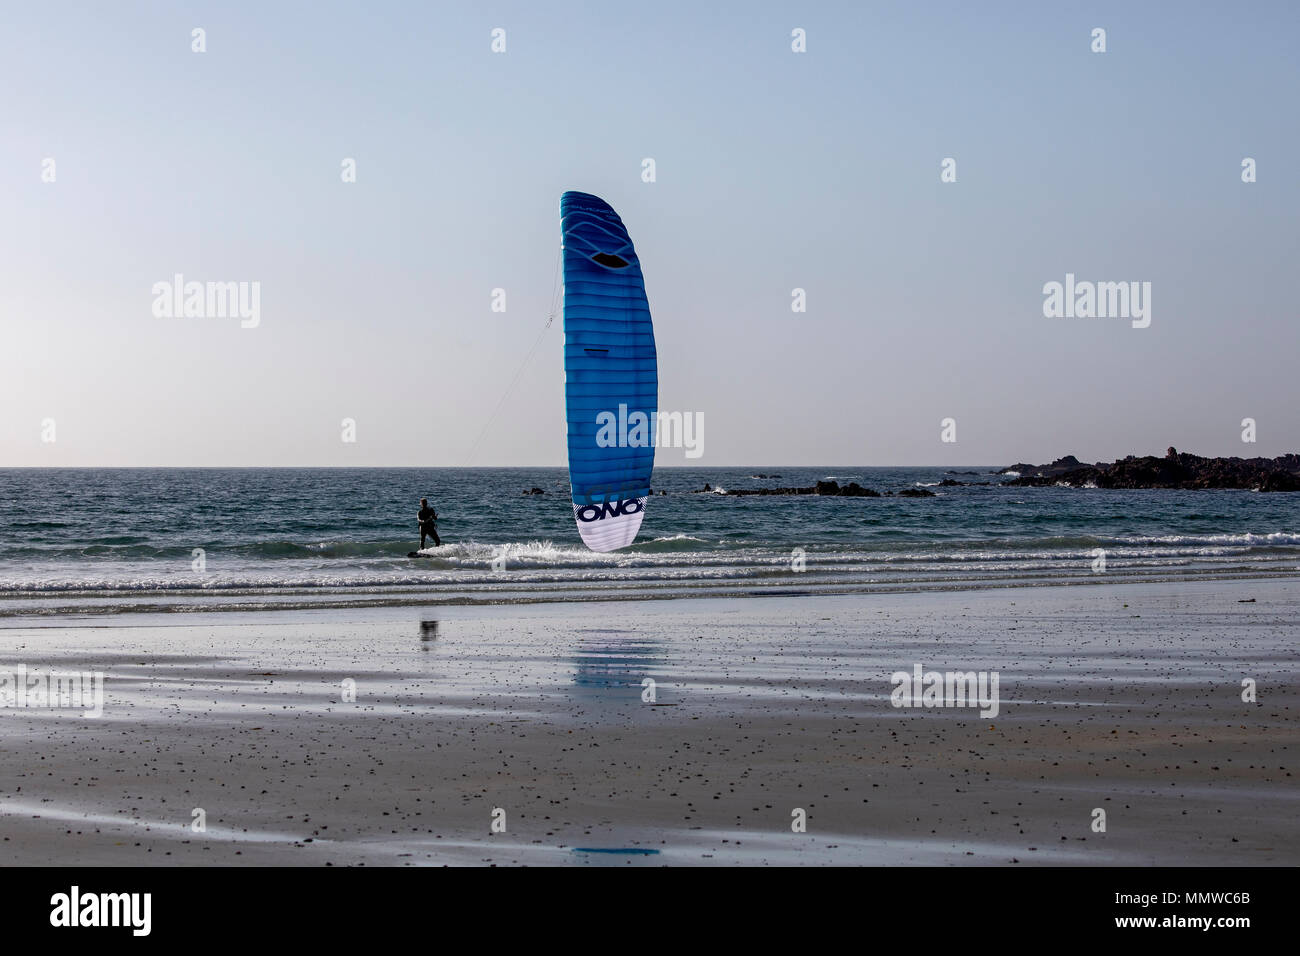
428	631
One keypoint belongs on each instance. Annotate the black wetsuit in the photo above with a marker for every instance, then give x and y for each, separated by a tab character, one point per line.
428	526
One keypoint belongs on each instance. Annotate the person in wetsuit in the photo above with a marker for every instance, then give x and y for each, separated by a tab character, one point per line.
428	523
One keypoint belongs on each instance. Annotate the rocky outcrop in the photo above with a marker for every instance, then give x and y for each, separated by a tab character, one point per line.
855	490
1280	481
826	489
1058	467
772	491
1174	470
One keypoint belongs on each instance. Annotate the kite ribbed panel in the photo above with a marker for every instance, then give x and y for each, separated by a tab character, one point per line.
610	368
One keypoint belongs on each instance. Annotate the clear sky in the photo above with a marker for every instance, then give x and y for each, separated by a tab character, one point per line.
775	170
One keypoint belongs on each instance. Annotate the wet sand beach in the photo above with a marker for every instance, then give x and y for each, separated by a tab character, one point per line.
1126	698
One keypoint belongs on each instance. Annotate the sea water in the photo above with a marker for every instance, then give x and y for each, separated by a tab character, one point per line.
106	540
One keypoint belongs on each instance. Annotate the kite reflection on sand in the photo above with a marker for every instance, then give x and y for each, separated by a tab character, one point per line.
612	664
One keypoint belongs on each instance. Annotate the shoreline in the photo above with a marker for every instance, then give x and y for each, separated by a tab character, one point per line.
199	600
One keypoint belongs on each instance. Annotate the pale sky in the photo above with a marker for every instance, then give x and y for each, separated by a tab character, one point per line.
775	170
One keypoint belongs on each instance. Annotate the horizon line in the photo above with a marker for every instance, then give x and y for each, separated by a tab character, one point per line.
445	467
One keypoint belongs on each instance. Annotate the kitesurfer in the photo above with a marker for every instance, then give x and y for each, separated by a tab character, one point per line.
428	524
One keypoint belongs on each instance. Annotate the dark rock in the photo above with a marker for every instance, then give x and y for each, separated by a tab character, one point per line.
826	489
855	490
773	491
1174	470
1280	481
1058	467
916	493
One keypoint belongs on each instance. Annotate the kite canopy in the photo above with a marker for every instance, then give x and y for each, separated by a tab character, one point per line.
611	378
